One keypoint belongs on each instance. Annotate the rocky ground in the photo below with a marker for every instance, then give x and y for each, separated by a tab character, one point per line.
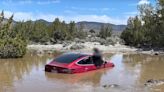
87	46
110	45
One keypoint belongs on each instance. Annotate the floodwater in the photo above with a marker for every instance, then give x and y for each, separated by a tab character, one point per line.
129	74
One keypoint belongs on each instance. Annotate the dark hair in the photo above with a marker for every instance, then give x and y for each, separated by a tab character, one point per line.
96	50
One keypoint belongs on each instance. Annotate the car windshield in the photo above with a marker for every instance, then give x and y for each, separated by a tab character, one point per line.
68	58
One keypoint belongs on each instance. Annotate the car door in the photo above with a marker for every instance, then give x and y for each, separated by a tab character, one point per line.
86	63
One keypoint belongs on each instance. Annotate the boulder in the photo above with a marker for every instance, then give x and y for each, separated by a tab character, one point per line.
77	46
66	43
152	82
48	43
76	39
111	86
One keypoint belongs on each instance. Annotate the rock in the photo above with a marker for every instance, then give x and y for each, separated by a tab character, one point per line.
40	52
156	53
59	42
76	39
82	41
77	46
66	43
103	42
152	82
111	86
98	39
49	52
96	43
48	43
52	40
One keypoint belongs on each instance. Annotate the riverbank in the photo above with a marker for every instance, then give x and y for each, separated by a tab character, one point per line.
88	46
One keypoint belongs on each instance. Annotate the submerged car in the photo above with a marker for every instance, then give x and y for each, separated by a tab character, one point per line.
74	63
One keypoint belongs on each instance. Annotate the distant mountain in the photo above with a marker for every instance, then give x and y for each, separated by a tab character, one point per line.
90	25
97	26
44	21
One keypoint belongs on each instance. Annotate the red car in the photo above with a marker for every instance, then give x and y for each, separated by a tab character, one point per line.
74	63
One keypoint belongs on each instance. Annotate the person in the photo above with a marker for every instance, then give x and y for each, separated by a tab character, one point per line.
97	58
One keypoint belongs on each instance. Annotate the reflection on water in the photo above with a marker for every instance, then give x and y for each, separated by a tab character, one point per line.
130	73
151	67
12	70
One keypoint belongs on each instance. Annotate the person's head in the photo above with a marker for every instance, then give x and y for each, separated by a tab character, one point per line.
96	50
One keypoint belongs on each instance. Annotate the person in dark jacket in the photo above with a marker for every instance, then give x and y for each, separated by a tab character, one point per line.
97	58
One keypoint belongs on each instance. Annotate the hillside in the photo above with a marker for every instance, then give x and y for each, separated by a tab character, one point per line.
91	25
97	25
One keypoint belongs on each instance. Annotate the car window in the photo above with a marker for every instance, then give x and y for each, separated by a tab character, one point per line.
87	60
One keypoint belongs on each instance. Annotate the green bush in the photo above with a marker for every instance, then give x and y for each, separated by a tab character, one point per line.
146	29
106	31
12	48
12	43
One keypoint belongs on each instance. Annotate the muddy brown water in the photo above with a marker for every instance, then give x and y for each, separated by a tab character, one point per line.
130	73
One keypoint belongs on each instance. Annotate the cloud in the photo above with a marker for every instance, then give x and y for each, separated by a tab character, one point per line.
143	2
134	13
23	2
98	18
105	9
48	2
11	2
70	12
130	14
20	16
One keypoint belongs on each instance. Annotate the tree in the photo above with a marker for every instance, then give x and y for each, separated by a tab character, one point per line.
92	31
80	33
146	28
72	28
1	18
39	32
106	31
59	30
133	34
12	45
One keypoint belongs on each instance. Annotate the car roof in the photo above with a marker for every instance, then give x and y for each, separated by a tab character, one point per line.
69	57
78	55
